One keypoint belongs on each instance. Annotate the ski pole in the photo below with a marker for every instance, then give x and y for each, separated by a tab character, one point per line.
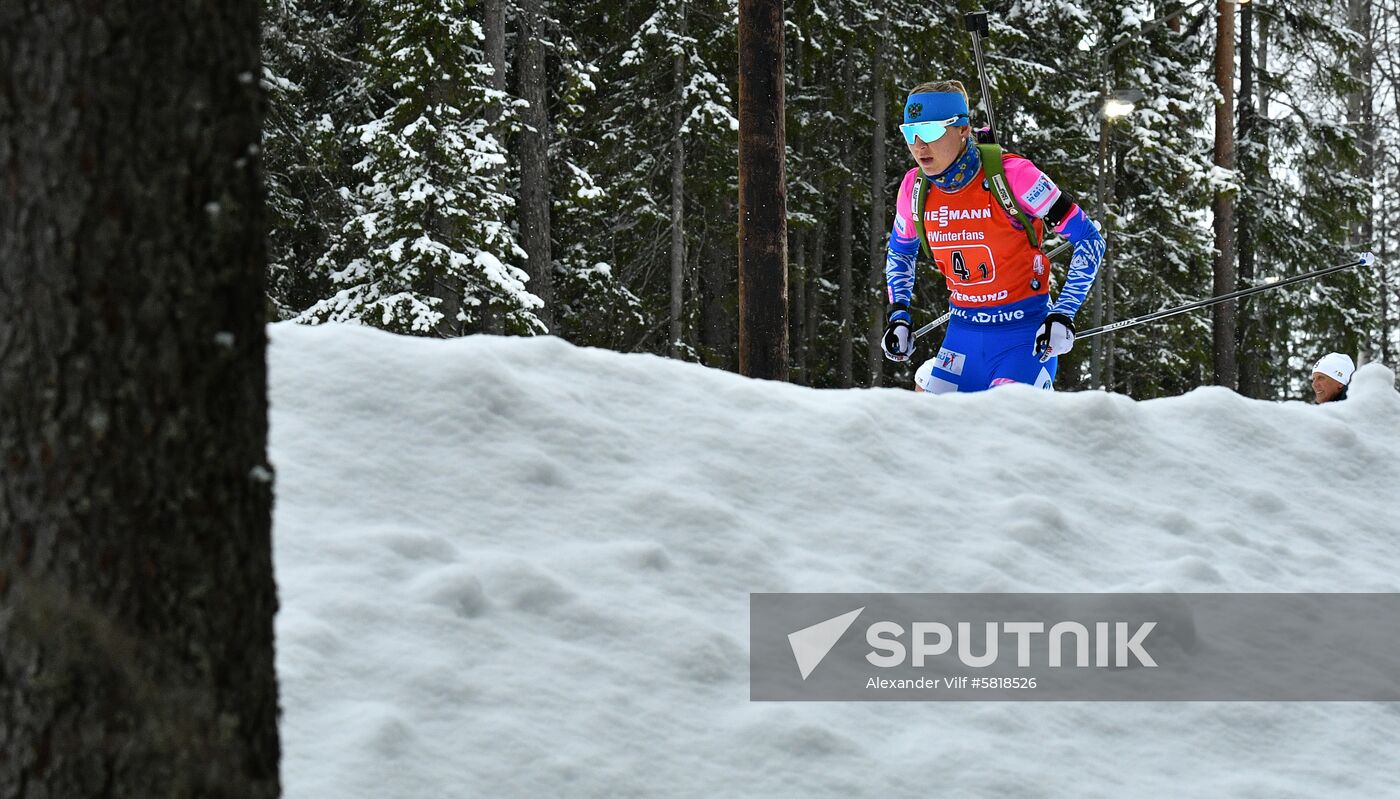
931	326
943	320
1365	259
976	24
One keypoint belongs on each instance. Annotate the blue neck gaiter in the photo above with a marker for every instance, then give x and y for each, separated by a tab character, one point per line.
960	172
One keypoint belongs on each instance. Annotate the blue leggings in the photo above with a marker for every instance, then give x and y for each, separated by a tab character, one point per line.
978	357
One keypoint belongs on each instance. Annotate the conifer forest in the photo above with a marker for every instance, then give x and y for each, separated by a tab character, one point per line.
446	167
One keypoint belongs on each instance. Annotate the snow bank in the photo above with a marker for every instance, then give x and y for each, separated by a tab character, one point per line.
516	568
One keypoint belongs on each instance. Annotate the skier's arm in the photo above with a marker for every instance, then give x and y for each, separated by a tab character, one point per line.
1088	245
1041	198
903	248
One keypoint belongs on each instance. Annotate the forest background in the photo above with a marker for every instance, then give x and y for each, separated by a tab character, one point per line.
445	167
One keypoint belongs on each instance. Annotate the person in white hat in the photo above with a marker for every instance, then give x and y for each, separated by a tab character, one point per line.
924	378
1331	376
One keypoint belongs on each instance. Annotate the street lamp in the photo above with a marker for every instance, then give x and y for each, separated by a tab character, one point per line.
1116	105
1121	103
1115	108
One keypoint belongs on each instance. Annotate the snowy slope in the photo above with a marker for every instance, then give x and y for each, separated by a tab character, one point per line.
515	568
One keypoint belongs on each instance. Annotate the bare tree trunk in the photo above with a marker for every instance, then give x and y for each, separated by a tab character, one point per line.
1109	276
878	223
763	330
844	246
1223	348
1099	289
1384	275
1262	317
1390	183
843	265
1265	80
495	31
713	314
814	289
797	240
719	294
534	158
691	264
678	196
1361	113
136	584
799	305
1248	349
448	291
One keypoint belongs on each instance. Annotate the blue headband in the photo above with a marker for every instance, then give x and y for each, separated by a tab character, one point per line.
928	106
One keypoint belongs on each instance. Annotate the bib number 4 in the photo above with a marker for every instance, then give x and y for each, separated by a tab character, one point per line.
970	264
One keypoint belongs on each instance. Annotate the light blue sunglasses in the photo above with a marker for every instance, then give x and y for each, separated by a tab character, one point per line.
930	131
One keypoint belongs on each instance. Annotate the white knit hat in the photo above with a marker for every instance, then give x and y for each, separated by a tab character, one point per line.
1337	366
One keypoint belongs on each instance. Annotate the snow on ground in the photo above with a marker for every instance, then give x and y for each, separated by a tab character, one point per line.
516	568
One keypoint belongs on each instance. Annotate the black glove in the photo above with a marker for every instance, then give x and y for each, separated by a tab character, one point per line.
898	342
1055	337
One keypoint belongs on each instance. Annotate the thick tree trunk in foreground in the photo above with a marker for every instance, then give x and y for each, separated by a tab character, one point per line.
136	590
763	327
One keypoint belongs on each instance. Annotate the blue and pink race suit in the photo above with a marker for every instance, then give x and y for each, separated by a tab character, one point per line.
998	284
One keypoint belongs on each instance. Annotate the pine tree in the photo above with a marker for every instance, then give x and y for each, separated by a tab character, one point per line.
427	249
1306	198
316	88
619	252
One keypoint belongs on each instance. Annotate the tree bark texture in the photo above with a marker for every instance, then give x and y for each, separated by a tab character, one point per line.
1223	348
136	584
534	158
763	328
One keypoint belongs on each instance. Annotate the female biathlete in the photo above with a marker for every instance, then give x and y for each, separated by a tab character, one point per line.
1003	329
